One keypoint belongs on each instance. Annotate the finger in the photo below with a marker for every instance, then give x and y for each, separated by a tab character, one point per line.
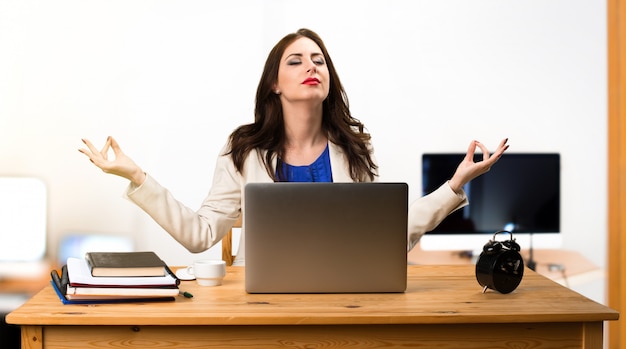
84	151
115	146
469	156
105	151
89	145
484	150
498	153
501	148
105	147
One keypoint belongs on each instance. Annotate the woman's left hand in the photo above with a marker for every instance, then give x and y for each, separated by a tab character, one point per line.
468	169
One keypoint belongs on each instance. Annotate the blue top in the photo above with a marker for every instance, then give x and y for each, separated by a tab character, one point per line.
318	171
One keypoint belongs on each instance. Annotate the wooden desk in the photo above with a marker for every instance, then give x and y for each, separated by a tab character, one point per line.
443	307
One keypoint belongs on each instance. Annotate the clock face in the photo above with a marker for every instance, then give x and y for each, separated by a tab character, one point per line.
501	271
508	272
509	264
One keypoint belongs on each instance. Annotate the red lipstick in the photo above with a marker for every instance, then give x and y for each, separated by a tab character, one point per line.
311	81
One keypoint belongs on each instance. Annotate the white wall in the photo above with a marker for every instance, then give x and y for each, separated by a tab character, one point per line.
171	79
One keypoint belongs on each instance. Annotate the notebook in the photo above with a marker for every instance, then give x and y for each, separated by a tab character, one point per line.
326	237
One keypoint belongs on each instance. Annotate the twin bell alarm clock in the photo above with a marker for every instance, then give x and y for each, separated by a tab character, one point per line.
500	266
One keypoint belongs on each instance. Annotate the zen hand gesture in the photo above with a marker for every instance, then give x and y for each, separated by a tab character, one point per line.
122	165
468	169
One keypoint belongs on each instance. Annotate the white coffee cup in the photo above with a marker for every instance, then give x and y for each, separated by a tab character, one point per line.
208	272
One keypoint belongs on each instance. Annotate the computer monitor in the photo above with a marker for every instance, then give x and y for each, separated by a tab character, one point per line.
520	194
23	222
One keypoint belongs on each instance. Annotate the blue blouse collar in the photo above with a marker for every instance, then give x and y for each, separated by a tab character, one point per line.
318	171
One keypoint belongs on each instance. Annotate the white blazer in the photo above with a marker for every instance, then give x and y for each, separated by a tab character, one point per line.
198	230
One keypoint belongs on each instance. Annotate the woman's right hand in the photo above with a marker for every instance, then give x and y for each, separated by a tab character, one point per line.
122	165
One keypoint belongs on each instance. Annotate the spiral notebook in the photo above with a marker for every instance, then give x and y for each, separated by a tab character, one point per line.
326	237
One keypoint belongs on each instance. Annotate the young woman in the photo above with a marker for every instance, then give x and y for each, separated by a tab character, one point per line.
302	131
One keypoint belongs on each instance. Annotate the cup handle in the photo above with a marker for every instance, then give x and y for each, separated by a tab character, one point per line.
190	270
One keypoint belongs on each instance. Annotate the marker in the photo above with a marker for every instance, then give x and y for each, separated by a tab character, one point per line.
186	294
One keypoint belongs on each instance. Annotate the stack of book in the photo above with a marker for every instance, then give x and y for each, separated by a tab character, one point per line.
115	276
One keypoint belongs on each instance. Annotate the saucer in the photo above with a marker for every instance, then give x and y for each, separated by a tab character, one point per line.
184	275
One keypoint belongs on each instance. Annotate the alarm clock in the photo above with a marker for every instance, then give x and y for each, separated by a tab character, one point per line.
500	266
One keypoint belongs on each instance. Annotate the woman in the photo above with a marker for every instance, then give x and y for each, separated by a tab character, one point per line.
303	131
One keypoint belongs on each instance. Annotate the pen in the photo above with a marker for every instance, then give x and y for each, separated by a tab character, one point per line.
186	294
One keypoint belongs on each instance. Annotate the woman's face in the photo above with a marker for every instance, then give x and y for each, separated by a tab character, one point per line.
303	73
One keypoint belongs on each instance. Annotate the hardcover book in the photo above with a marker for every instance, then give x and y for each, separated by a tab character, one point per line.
79	275
119	264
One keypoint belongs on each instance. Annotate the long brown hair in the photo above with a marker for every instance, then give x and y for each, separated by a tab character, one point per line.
268	132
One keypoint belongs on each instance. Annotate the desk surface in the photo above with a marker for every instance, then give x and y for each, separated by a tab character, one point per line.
435	295
568	268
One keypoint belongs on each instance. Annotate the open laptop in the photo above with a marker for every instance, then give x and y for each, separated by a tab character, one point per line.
326	237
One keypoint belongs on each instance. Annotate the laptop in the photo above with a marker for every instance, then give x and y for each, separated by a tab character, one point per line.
326	237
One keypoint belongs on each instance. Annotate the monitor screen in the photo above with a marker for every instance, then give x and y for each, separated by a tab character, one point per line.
521	193
23	222
23	218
